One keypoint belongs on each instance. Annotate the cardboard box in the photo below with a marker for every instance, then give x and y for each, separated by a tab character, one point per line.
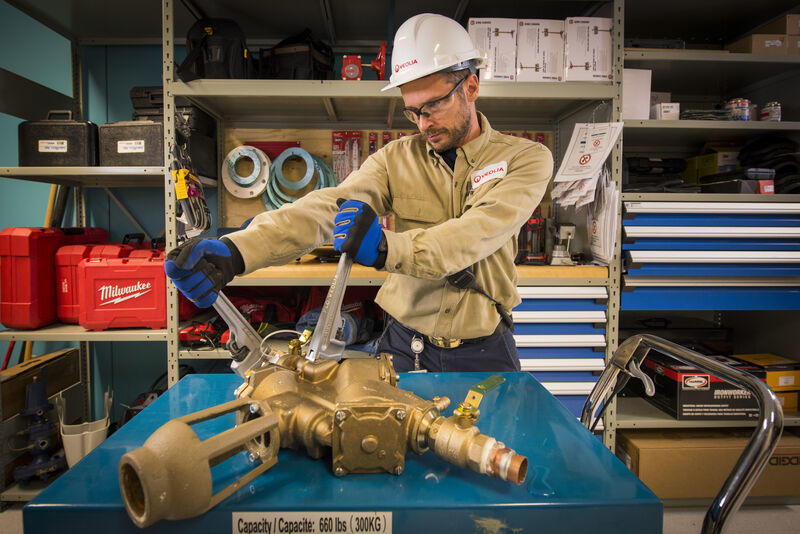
660	97
786	24
715	159
669	111
540	50
686	393
60	369
636	94
587	48
782	374
788	400
761	43
498	39
793	45
693	464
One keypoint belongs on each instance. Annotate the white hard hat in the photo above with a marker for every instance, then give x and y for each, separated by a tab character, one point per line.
428	43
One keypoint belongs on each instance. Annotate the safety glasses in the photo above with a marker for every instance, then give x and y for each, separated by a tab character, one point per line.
433	108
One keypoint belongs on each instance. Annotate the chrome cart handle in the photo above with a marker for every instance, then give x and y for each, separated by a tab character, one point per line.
763	441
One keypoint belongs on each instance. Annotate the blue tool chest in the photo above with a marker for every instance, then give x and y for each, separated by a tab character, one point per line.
711	256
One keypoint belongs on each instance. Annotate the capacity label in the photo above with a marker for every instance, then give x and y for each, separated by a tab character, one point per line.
53	145
311	522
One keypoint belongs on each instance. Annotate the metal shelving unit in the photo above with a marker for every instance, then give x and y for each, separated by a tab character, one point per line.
664	133
708	71
89	176
638	413
69	332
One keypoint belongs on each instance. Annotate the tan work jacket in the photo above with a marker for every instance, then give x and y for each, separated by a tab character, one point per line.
444	221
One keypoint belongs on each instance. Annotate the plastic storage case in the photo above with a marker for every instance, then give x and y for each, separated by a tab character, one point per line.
57	142
125	293
193	119
153	96
132	144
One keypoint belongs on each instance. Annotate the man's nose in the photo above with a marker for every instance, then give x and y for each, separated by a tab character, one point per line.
424	123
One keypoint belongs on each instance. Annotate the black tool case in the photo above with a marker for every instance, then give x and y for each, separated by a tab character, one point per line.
194	119
132	144
143	97
57	142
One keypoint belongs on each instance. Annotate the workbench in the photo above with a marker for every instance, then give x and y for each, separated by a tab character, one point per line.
574	484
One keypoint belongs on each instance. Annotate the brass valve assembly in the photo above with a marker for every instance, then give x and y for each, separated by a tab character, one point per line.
351	407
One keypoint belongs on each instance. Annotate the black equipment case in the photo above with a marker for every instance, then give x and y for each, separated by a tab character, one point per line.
132	144
216	48
146	97
299	57
57	142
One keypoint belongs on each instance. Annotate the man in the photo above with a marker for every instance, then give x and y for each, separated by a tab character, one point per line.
459	192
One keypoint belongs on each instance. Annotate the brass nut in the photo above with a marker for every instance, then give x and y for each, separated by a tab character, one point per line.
340	415
400	414
339	471
252	457
253	408
398	470
369	444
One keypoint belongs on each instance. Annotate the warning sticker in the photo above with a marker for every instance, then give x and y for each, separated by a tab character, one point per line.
310	522
130	146
53	145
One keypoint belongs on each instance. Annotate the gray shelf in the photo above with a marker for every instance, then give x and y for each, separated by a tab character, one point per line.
697	72
706	197
18	493
337	103
90	176
635	412
69	332
693	134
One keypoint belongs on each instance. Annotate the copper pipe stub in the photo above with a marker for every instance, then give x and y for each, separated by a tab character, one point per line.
508	465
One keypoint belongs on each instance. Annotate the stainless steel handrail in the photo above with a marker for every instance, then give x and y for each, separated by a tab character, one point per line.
759	448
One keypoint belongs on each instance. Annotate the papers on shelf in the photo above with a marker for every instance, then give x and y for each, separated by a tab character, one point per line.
602	220
590	145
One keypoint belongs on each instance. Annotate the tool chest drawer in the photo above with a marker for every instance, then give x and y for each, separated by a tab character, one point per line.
560	333
711	256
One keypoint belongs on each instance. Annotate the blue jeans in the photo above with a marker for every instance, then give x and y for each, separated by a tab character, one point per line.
495	353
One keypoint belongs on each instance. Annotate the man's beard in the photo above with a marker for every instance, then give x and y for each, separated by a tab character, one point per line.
454	135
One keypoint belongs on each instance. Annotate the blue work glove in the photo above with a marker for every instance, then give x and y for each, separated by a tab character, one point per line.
201	267
358	233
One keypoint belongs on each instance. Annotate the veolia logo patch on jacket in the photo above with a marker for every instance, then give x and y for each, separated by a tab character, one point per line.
490	172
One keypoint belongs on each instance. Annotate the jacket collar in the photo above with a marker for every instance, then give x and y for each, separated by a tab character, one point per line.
472	150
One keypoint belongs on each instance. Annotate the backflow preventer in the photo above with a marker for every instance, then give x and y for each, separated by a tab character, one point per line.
351	407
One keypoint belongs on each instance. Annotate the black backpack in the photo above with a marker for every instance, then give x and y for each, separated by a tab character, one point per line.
215	48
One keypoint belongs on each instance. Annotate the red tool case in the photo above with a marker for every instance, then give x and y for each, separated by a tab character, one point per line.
66	260
125	293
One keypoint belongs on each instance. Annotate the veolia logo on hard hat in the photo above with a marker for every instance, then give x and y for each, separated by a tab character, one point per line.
401	66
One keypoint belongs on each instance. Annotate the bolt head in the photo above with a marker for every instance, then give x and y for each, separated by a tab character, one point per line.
398	470
339	471
253	408
252	457
340	415
400	414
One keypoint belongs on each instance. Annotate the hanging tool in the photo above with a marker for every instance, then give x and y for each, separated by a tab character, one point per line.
194	211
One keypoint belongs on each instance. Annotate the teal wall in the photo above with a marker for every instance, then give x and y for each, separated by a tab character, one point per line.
35	52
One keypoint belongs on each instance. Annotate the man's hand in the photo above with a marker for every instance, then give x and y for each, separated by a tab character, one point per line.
358	233
201	267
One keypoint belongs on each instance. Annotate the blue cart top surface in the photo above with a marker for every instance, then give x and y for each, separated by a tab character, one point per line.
569	470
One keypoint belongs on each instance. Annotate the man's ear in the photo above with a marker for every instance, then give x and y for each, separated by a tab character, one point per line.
471	87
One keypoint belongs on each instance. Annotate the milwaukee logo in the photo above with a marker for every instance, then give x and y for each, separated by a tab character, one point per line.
115	294
490	172
401	66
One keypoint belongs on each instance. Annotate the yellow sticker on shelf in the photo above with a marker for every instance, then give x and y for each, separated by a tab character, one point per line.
180	183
